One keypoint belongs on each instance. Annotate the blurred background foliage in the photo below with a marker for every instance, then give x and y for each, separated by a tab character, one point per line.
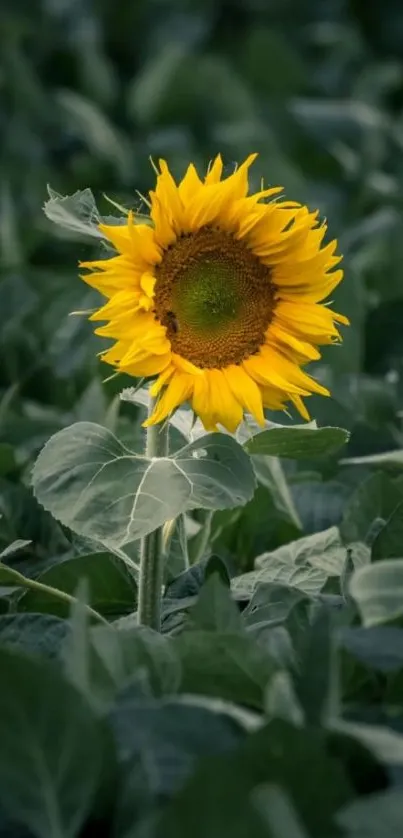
89	89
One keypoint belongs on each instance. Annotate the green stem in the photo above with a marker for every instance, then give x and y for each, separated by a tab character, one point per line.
40	587
152	545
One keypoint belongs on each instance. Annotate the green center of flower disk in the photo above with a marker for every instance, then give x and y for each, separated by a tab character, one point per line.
215	298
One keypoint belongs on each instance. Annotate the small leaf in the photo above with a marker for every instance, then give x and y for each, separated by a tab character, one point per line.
77	213
51	755
228	665
188	583
95	485
298	443
100	663
216	565
378	591
214	609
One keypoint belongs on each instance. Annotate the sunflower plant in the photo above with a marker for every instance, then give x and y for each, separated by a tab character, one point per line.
216	301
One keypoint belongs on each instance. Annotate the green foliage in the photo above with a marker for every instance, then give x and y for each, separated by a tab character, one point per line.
297	443
101	489
271	703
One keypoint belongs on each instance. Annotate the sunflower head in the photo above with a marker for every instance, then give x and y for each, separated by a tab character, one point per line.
219	297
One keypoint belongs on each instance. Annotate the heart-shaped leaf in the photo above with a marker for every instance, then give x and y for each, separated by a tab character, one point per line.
94	484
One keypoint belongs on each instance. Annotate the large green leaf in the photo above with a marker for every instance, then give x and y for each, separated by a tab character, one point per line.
170	733
52	748
270	474
378	591
298	443
225	664
100	663
388	544
306	578
305	564
322	549
42	634
377	497
111	590
95	485
315	675
222	790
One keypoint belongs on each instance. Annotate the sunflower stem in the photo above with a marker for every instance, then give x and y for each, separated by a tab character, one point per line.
152	545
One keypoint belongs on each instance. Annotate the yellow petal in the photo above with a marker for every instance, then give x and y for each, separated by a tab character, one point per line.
121	302
273	398
209	202
147	365
267	375
245	390
223	405
310	321
162	379
287	341
178	391
190	185
184	365
299	404
215	171
147	283
271	367
167	194
201	402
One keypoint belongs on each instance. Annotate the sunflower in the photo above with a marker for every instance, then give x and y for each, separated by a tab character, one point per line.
218	296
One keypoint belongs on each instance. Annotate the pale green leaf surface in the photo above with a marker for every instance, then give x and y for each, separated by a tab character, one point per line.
95	485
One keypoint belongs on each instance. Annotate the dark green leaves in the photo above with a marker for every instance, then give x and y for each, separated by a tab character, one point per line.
388	543
111	588
221	791
52	749
298	443
95	485
304	564
377	497
224	664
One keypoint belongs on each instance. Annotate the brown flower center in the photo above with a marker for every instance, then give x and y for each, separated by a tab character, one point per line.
215	298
